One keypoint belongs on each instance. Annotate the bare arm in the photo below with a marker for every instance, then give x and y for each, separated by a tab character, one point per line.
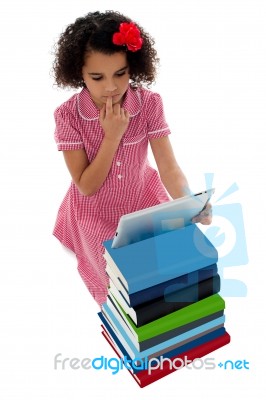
89	177
171	174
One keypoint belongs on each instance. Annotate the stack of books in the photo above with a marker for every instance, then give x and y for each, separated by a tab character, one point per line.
163	309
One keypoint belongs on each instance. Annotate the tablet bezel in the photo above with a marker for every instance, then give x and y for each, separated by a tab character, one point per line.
151	221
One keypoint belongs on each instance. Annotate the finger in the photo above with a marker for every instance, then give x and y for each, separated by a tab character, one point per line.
206	211
208	206
117	109
122	112
109	106
102	112
195	220
204	220
127	115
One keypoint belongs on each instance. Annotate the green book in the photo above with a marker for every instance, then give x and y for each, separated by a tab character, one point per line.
193	312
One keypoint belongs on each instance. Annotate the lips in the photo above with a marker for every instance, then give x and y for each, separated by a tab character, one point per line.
113	95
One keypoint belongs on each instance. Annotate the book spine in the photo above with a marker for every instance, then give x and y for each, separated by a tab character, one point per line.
186	280
144	378
195	311
153	310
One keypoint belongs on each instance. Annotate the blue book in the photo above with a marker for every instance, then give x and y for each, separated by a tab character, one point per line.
204	338
170	302
164	288
153	341
135	353
160	258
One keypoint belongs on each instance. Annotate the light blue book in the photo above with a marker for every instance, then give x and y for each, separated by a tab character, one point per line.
158	259
133	351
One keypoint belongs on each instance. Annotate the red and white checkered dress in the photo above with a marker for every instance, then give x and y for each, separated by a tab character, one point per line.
84	222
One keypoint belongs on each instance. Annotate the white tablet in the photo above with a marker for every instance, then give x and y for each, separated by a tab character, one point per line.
159	219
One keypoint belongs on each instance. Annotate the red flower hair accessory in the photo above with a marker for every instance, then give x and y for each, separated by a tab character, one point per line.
128	35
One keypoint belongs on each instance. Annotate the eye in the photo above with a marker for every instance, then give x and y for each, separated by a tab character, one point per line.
121	73
98	78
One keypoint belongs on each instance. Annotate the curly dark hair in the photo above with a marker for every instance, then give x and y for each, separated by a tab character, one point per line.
94	32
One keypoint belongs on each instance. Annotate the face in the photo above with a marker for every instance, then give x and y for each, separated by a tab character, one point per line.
105	76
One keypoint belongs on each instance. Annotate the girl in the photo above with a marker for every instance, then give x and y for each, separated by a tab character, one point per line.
104	132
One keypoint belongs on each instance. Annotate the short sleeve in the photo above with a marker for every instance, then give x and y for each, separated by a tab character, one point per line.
67	135
157	125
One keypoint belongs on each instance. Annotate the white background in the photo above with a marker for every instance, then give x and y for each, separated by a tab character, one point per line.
213	83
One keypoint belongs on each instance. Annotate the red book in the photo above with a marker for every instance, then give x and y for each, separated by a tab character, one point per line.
144	378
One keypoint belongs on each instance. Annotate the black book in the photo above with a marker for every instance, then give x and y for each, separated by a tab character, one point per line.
160	290
170	302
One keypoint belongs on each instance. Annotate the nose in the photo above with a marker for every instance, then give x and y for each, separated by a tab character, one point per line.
110	86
